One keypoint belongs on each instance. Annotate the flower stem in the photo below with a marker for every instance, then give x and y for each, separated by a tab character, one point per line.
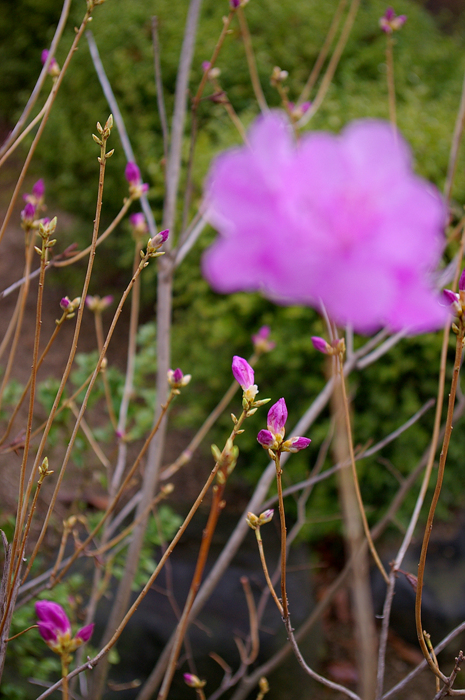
390	79
265	570
429	523
282	521
345	403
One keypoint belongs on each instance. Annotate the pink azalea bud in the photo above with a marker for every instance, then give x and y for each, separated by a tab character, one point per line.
450	297
53	68
176	379
132	173
277	417
391	22
28	212
266	516
85	633
462	282
234	3
243	372
53	622
206	65
295	444
38	189
266	439
158	240
261	342
320	344
64	303
138	223
193	681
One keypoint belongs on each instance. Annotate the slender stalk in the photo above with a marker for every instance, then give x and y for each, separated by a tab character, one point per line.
23	134
103	373
345	404
129	377
313	77
390	79
282	522
333	63
265	571
435	499
247	41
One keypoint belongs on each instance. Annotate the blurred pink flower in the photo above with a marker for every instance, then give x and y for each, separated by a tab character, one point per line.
391	22
341	220
132	175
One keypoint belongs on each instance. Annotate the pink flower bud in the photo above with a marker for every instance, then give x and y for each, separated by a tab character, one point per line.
85	633
243	372
462	282
206	65
64	303
261	342
266	439
28	212
320	344
176	379
132	173
295	444
391	22
38	189
450	297
277	417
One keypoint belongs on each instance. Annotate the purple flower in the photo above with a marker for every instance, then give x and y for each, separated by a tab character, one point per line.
462	281
450	297
244	375
132	175
55	628
38	189
277	417
391	22
206	65
261	340
341	220
53	67
85	633
28	213
273	437
320	344
234	3
159	238
65	302
176	379
138	224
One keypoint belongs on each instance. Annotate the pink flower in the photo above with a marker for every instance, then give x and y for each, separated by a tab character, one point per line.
273	437
341	220
244	375
391	22
55	628
28	213
176	378
132	175
53	67
261	340
159	238
138	224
